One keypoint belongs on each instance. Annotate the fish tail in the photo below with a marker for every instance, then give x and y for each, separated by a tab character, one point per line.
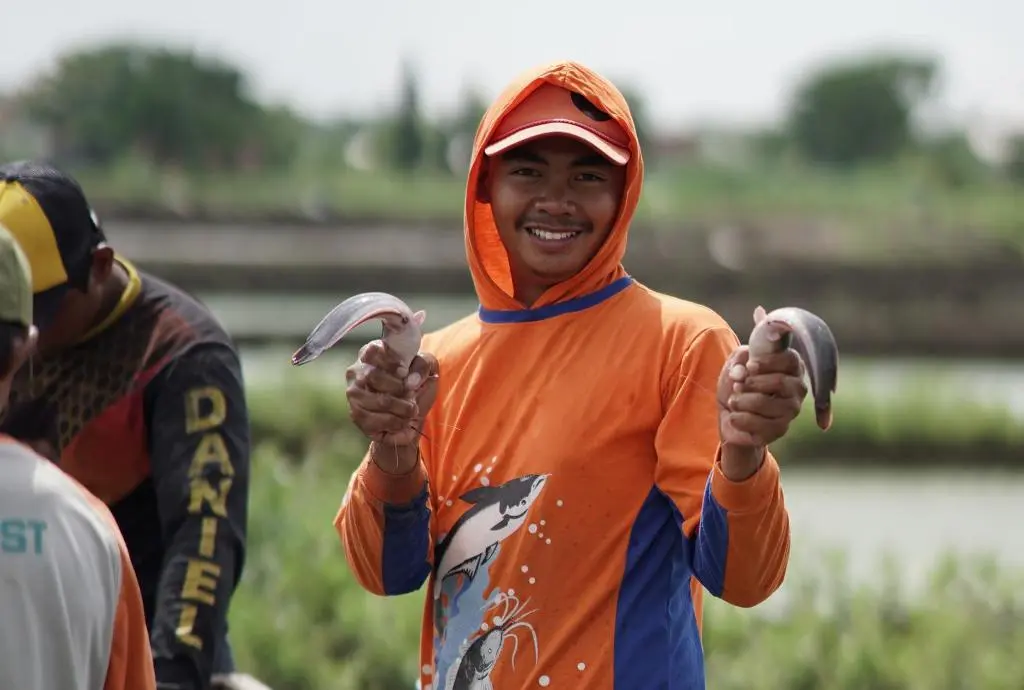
304	354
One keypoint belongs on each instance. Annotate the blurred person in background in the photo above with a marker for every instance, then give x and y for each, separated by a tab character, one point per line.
597	453
137	393
72	611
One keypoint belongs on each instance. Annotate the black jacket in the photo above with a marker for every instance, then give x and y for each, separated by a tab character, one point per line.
150	415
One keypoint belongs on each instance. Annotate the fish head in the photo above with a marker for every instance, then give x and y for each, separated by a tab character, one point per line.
520	493
536	485
395	321
403	333
490	648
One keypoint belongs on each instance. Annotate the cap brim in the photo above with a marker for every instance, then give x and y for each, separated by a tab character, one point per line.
46	304
616	154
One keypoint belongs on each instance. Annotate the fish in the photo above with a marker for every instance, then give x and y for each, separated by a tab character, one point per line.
810	336
478	658
496	513
402	326
474	669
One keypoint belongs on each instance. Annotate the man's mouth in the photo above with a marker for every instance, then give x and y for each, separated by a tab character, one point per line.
549	235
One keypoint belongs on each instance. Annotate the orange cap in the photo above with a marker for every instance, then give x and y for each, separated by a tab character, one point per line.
553	110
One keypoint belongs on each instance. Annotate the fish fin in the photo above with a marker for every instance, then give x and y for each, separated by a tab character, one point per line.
468	567
505	519
479	494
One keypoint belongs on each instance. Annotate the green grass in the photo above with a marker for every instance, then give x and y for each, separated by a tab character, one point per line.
300	622
869	196
927	416
347	192
872	201
962	632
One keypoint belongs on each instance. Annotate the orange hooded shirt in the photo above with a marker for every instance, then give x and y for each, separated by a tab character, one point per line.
569	508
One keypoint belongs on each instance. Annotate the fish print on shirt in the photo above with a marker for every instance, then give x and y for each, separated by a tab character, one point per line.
477	659
467	644
497	512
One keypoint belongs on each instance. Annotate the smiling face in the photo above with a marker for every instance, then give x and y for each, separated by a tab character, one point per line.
554	201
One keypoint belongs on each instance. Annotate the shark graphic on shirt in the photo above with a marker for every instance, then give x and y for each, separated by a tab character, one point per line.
496	513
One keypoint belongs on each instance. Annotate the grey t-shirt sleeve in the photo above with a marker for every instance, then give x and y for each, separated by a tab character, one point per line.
60	578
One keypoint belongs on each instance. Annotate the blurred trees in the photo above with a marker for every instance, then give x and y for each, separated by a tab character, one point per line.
405	142
174	107
860	111
1015	159
641	119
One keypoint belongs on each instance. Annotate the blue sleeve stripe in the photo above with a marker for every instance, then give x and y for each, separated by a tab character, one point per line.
657	642
405	565
712	544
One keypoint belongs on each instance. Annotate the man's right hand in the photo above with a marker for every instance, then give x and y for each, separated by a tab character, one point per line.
388	404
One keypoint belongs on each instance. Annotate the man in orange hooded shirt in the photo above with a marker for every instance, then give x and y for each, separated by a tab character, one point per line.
595	453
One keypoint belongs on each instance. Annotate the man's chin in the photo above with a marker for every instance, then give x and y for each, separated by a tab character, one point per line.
551	273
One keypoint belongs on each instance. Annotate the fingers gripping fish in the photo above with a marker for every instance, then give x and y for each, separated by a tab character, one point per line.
811	337
402	327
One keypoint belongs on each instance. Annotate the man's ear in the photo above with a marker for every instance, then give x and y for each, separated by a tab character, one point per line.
24	348
483	182
102	264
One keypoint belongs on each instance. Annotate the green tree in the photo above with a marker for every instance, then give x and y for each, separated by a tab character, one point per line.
472	106
952	162
852	112
456	132
407	138
641	115
1015	160
173	106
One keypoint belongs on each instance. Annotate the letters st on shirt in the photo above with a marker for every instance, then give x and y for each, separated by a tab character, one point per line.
22	536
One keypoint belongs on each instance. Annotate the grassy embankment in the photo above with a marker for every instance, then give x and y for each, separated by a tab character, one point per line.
302	623
874	201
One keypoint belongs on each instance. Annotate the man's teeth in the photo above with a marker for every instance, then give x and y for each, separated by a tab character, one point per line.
545	235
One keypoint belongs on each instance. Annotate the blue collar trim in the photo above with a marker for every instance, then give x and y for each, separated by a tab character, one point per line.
549	311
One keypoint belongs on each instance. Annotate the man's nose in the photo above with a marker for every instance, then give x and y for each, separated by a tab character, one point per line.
556	199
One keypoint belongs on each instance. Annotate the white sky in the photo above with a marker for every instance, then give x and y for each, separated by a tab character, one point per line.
729	61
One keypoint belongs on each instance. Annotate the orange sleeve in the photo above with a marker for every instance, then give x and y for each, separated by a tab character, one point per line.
385	527
737	532
131	660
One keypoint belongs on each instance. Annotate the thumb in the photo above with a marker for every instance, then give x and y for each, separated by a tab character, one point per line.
733	371
424	366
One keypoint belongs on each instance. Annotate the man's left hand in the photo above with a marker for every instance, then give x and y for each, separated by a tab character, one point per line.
757	401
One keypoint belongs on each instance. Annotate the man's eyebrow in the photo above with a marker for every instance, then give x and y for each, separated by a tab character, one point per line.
523	156
526	155
593	160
